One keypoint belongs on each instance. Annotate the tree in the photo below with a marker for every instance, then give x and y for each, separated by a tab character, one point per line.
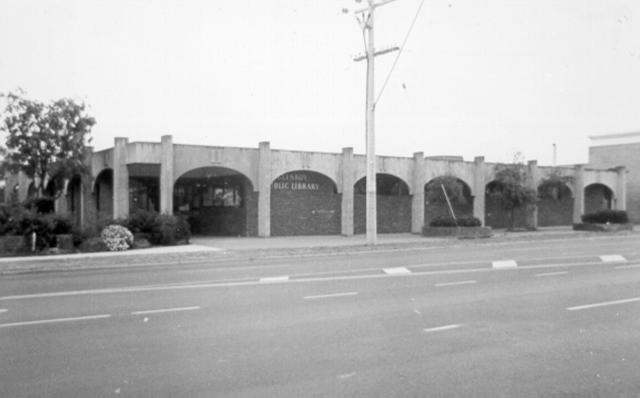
511	191
453	186
45	141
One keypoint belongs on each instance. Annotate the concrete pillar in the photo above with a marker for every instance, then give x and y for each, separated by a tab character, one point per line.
264	190
120	178
479	187
533	176
347	192
417	201
166	175
578	192
621	188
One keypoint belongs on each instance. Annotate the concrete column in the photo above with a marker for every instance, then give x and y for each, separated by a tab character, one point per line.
264	190
120	178
166	175
578	193
479	186
347	192
533	176
417	201
621	188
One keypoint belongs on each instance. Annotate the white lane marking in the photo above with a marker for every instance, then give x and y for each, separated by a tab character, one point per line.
627	266
504	264
551	274
613	258
397	271
223	284
165	310
55	320
321	296
441	328
470	282
347	375
3	310
274	279
603	304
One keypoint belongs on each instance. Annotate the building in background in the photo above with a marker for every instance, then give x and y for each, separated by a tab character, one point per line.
620	150
268	192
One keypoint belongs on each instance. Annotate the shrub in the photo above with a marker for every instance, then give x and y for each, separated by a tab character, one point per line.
467	221
606	216
142	221
117	237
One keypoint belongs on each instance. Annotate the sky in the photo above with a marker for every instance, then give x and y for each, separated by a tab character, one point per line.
475	78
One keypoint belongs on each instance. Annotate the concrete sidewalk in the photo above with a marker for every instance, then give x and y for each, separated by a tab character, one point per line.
298	244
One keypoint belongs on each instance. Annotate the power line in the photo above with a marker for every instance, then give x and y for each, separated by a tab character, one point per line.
395	61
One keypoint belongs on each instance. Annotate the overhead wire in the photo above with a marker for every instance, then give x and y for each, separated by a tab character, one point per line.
395	61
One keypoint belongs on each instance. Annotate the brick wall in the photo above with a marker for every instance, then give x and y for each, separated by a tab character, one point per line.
305	213
394	213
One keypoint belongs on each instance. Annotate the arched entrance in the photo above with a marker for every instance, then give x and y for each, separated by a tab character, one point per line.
496	215
393	205
216	201
435	203
555	204
102	191
304	203
597	197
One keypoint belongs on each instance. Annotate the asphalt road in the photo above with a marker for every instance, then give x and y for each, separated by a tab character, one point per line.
541	318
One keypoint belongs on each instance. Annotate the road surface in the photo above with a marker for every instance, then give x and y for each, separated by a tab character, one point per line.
542	318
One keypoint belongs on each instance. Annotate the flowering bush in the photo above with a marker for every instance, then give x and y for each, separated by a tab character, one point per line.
117	238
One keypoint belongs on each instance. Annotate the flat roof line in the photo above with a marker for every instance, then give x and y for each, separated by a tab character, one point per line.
618	135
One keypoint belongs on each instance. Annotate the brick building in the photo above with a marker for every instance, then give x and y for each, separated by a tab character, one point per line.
615	150
267	192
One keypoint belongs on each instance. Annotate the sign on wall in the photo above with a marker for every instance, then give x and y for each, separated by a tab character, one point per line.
297	181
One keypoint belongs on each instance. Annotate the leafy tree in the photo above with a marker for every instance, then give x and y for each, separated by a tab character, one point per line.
45	141
511	191
453	186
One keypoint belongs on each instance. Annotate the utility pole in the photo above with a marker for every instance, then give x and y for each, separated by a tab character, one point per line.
365	17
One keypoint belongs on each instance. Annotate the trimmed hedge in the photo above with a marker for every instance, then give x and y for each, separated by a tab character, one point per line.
161	229
606	216
458	222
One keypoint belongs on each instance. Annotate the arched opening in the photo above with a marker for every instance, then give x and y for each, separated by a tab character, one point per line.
435	202
102	191
144	187
597	197
74	192
393	205
304	203
555	204
217	201
497	215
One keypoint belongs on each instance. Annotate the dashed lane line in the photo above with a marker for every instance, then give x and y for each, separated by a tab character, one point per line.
332	295
545	274
161	310
396	271
55	320
504	264
274	279
613	258
603	304
442	328
458	283
254	282
627	266
3	310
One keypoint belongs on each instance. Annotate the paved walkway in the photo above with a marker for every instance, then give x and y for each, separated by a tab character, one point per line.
206	245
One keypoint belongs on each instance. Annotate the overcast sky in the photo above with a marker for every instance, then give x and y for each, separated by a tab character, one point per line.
477	77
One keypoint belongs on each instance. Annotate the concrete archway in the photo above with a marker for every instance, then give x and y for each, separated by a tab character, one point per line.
102	191
216	201
305	202
555	204
393	205
597	197
435	204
